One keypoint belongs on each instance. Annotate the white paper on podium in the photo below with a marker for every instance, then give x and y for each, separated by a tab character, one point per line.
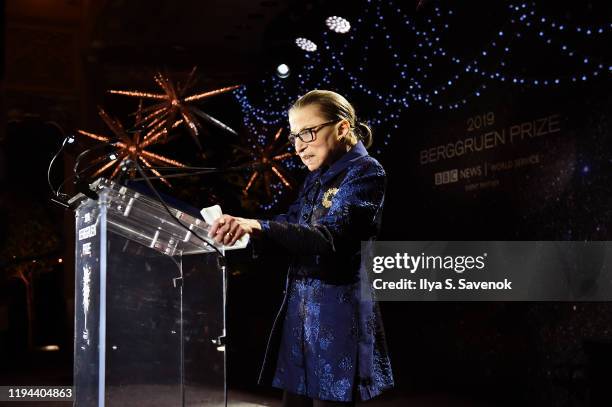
211	214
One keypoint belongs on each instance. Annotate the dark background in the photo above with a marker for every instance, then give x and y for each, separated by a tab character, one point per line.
60	58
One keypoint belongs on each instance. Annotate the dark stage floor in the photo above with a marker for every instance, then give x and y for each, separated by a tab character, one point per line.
54	369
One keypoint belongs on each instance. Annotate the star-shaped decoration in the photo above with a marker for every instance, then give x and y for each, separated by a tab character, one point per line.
130	147
175	103
420	4
266	165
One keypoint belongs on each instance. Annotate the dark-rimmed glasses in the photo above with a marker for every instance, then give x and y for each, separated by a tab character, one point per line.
308	135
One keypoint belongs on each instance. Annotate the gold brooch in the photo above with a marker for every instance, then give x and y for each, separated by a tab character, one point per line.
327	197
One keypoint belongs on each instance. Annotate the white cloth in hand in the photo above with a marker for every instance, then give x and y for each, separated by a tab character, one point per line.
211	214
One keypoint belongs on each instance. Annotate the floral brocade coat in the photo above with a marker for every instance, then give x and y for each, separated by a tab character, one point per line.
327	341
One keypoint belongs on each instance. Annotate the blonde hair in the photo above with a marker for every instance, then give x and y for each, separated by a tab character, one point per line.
335	106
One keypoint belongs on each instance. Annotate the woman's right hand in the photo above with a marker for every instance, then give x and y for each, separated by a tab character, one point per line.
227	229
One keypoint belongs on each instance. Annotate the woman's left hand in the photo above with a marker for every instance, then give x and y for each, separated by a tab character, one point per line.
227	229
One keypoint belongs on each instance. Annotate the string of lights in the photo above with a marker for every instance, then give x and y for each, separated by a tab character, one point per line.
427	39
414	75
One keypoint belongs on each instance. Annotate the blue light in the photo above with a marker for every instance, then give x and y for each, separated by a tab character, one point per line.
410	85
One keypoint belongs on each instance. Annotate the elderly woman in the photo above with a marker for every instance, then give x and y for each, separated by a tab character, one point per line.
327	345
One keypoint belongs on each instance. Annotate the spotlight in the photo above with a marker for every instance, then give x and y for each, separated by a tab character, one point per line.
49	348
112	156
306	44
282	71
338	24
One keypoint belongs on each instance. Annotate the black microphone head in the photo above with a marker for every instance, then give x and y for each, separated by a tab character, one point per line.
127	164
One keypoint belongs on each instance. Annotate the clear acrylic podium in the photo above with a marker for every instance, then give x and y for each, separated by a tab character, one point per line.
149	305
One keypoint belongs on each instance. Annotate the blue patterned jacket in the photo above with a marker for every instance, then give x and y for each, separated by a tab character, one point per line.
328	341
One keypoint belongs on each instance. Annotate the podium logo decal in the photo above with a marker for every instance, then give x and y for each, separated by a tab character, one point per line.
87	232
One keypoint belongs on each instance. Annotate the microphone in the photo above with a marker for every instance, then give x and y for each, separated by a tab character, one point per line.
57	197
127	164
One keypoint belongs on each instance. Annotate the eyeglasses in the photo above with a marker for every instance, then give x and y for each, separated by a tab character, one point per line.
308	135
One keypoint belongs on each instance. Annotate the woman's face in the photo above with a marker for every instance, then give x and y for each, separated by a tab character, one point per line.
326	146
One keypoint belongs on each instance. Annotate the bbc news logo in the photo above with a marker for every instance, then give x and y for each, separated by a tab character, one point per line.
446	177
